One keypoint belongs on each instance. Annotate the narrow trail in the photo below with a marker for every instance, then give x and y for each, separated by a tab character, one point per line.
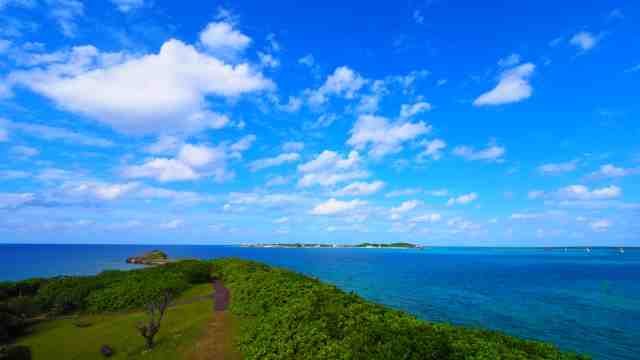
217	342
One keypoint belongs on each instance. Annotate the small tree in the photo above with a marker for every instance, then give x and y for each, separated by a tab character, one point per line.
156	310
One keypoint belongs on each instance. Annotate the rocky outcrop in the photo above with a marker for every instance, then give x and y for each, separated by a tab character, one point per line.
155	257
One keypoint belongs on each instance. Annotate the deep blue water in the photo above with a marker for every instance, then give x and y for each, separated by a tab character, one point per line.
585	302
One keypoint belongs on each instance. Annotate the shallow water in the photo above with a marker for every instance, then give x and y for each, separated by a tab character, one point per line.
584	302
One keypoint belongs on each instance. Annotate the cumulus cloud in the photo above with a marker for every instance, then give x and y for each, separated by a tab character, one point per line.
383	136
405	207
65	13
329	169
612	171
509	61
160	92
584	40
558	168
333	206
513	86
360	188
493	152
243	144
581	192
273	161
343	82
426	218
221	39
433	149
462	199
191	163
410	110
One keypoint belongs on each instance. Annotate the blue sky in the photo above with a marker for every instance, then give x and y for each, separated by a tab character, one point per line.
435	122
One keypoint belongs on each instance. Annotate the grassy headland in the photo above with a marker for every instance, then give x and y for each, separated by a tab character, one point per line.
275	314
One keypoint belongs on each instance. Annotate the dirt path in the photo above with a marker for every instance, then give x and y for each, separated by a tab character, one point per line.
218	341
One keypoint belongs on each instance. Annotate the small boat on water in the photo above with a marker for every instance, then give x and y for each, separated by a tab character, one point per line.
588	250
621	251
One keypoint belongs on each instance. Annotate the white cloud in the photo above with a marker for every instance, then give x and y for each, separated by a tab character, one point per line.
558	168
161	169
633	69
243	144
65	12
385	137
128	5
410	110
292	146
525	216
329	169
509	61
581	192
360	188
433	149
278	181
343	82
307	60
405	207
273	161
462	199
161	92
294	104
492	153
584	40
333	206
600	225
427	218
220	38
24	151
191	163
98	190
54	133
4	135
14	174
513	86
268	60
612	171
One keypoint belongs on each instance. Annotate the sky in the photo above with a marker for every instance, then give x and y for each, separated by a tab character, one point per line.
445	123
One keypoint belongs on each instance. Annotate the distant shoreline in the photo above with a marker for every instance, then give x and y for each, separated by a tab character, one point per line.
336	246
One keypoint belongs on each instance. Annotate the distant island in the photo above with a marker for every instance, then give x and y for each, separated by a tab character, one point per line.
154	257
366	245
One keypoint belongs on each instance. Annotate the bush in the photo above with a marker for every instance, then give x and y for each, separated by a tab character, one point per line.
285	315
16	353
66	294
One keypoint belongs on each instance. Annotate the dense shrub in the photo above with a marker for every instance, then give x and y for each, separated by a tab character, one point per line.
285	315
65	294
21	288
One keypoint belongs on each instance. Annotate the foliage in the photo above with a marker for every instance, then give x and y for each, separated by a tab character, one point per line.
285	315
181	327
15	353
155	309
21	288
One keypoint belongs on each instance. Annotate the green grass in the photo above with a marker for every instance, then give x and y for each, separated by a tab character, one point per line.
181	327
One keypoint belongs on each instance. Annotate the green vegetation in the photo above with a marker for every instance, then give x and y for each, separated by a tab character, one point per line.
279	314
285	315
181	327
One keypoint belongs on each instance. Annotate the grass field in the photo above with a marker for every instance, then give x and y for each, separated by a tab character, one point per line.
182	327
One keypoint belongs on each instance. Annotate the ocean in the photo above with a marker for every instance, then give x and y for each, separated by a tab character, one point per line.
588	302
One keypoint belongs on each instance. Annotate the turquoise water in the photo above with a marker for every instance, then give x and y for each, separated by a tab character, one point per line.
585	302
